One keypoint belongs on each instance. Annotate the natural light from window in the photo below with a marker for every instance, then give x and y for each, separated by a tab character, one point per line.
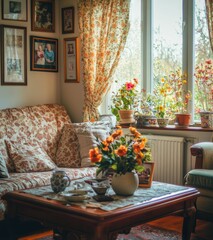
167	37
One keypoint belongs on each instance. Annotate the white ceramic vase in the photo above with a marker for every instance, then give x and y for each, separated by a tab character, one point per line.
125	184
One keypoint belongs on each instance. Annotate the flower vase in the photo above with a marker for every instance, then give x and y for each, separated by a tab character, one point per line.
125	184
126	116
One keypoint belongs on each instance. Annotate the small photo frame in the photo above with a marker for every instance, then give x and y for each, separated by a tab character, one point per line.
43	15
68	17
71	60
14	57
15	10
44	54
146	177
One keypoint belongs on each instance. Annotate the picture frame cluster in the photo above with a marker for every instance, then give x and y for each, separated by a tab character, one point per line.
43	50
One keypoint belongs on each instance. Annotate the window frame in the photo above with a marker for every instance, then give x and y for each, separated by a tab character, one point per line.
188	36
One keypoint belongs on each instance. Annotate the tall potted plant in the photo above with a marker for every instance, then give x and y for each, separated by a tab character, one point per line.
204	84
181	98
124	101
162	97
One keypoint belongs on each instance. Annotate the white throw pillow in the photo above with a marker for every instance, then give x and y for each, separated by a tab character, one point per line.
88	139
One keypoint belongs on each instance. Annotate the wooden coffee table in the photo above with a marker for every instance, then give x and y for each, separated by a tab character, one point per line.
73	222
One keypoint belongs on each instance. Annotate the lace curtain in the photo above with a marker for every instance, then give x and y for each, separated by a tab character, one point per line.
104	26
209	13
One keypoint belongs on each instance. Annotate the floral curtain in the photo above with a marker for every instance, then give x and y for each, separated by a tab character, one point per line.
104	26
209	13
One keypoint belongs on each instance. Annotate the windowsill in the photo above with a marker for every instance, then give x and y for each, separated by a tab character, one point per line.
175	128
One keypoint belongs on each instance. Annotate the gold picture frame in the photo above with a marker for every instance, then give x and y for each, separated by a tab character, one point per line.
71	60
146	177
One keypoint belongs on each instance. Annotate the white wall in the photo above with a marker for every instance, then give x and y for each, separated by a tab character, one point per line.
72	94
42	87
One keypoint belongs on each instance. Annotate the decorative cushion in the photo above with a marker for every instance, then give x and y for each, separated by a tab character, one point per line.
3	169
29	157
88	138
202	178
67	154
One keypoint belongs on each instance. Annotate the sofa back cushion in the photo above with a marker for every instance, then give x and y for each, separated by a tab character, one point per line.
41	123
67	154
29	157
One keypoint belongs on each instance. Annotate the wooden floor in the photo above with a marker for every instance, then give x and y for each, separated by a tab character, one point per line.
204	229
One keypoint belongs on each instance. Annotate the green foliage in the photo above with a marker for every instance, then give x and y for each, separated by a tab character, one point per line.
125	98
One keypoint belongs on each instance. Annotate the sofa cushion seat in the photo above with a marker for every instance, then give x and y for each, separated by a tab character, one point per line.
202	178
19	181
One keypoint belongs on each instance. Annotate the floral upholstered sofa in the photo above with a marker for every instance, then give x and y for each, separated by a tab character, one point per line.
38	139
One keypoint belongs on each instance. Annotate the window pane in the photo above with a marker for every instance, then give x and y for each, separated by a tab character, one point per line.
167	37
202	52
129	66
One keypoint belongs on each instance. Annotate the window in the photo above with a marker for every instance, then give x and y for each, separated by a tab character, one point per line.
165	35
202	47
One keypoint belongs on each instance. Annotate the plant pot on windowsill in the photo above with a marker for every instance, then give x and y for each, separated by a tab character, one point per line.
162	122
182	119
206	119
145	120
126	116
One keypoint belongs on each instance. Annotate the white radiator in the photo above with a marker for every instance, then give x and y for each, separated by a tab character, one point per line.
168	155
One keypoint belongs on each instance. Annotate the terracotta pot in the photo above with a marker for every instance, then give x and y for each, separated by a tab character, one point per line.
126	116
182	119
125	184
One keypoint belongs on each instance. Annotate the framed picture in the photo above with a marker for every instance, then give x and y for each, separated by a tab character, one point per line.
71	60
146	177
68	17
14	55
43	15
44	54
15	10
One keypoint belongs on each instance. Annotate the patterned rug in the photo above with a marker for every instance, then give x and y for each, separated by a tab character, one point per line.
142	232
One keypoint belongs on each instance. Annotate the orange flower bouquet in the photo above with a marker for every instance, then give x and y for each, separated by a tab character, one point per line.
119	155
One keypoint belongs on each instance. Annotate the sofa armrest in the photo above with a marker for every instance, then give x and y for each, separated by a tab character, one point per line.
203	152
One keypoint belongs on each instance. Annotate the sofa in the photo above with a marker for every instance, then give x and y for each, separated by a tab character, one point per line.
36	140
201	177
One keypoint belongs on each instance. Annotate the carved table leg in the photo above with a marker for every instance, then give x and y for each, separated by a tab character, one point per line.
188	223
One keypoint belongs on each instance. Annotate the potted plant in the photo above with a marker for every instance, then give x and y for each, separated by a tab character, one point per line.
162	98
145	116
124	101
204	97
180	98
123	157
